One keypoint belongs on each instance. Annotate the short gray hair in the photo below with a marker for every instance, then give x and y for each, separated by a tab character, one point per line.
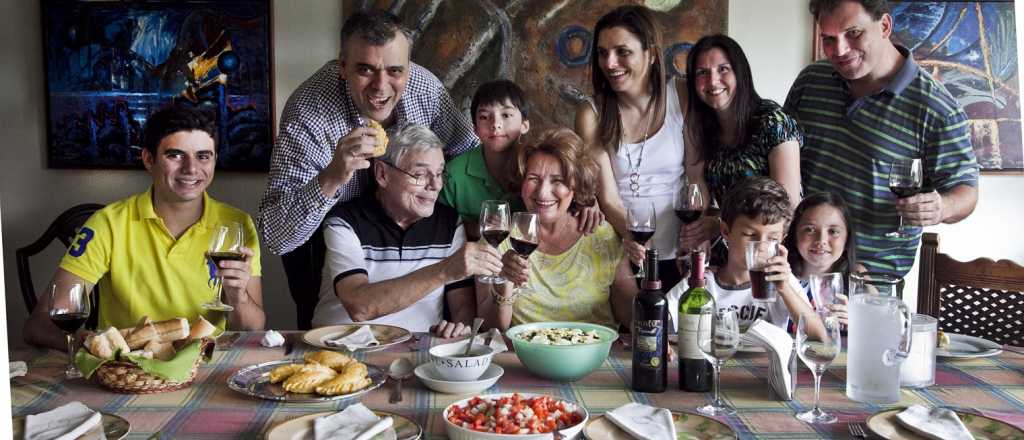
410	137
376	27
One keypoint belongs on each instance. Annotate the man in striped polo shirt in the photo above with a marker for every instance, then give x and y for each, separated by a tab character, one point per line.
395	256
871	103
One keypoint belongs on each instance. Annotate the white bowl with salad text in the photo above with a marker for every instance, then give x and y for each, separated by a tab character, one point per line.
499	408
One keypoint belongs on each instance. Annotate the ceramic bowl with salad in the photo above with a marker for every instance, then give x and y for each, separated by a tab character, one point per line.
513	416
544	347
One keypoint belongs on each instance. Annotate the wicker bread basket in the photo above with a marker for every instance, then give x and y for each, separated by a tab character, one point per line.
128	378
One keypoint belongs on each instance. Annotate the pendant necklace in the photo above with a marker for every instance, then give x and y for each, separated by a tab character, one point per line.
634	170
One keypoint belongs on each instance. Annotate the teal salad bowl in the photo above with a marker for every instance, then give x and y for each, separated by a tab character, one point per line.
560	360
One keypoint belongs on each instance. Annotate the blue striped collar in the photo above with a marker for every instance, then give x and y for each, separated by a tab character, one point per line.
906	74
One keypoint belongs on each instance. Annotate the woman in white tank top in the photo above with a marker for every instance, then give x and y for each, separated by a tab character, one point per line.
634	126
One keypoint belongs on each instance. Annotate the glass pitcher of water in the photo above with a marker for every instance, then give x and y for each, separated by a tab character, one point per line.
879	338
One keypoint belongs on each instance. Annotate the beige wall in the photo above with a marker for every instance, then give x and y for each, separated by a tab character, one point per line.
775	35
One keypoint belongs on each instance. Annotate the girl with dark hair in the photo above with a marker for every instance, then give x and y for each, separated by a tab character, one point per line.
634	127
731	132
821	240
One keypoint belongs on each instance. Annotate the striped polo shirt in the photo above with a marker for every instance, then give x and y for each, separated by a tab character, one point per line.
362	238
850	144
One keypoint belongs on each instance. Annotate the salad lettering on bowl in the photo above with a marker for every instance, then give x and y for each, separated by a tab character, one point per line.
514	414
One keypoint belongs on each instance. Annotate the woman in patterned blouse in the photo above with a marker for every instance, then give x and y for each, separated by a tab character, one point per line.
571	276
731	133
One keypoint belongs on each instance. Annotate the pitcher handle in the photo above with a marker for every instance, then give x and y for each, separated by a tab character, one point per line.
895	357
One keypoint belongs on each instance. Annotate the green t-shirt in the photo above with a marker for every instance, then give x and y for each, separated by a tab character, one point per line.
468	184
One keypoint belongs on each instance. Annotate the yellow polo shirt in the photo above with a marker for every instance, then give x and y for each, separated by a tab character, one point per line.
142	269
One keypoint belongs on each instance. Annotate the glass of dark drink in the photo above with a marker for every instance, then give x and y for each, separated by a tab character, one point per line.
689	204
641	218
524	240
905	178
225	245
494	228
69	308
758	254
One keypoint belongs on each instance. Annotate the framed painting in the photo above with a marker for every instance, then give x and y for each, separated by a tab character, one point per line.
544	46
109	64
971	48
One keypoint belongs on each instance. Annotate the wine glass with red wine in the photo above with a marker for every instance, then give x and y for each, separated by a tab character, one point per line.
524	239
69	308
494	229
225	245
641	218
689	204
905	181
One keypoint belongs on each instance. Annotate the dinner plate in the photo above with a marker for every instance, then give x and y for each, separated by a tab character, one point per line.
302	428
114	427
688	426
964	346
427	374
387	335
885	425
255	381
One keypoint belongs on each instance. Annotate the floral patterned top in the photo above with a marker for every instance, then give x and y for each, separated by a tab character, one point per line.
730	166
572	286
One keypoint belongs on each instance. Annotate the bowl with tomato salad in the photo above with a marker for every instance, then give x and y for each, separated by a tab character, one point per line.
508	416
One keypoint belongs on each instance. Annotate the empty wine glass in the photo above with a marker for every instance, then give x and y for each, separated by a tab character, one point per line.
905	178
69	309
817	352
494	228
718	335
524	239
641	218
225	245
825	288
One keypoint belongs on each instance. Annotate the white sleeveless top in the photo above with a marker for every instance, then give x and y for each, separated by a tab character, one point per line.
661	171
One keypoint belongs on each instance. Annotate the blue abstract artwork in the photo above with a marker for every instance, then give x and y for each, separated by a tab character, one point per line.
109	64
971	48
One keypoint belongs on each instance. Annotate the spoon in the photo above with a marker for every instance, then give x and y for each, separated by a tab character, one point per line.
399	370
476	327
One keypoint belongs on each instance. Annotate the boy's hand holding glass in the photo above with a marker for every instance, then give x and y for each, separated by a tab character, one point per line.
778	271
760	255
236	275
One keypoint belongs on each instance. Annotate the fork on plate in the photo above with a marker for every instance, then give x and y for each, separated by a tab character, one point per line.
857	430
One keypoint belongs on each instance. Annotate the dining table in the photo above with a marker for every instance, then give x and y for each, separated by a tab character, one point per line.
990	386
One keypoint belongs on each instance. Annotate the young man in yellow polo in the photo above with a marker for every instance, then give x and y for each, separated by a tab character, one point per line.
147	252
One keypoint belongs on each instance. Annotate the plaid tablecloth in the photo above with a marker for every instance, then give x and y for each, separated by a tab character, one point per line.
992	386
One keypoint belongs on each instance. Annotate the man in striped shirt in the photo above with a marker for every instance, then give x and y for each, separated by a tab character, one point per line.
867	105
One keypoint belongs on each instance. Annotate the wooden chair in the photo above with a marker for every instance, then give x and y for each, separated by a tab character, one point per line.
63	228
982	298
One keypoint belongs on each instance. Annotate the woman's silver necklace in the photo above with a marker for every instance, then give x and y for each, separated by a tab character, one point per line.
634	170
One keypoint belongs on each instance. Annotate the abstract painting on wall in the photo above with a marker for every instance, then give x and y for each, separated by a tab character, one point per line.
109	64
544	46
971	48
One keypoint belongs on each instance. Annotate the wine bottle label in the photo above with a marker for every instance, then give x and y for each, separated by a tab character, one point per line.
688	335
647	348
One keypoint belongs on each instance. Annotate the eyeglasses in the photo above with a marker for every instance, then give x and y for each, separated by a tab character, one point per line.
421	178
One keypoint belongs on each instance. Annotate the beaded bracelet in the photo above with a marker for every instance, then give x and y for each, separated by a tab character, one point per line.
501	300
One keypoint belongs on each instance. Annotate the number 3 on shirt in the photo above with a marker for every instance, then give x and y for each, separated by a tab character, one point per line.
81	241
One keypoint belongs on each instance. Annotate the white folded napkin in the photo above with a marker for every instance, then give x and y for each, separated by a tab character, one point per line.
272	339
643	421
65	422
497	342
934	423
356	422
17	368
779	344
360	338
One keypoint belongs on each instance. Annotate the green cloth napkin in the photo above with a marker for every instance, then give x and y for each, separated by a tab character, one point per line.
177	369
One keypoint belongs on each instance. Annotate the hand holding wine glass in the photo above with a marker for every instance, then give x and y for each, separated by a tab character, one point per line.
494	228
718	337
524	239
225	245
905	178
641	218
69	309
818	353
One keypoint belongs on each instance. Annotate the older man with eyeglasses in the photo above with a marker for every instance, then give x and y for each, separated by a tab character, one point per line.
394	254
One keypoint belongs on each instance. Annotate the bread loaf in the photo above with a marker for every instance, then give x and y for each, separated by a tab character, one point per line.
106	344
200	328
141	335
171	330
161	350
117	341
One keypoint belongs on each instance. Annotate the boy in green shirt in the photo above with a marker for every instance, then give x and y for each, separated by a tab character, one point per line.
500	117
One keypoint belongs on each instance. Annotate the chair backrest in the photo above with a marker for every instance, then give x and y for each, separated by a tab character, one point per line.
981	298
63	228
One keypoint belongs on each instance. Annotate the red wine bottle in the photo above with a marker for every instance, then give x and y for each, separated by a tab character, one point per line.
694	368
650	332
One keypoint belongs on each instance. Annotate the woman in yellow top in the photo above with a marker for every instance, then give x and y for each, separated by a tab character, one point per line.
573	277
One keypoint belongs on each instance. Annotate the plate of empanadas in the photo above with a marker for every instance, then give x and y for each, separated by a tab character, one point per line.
320	376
